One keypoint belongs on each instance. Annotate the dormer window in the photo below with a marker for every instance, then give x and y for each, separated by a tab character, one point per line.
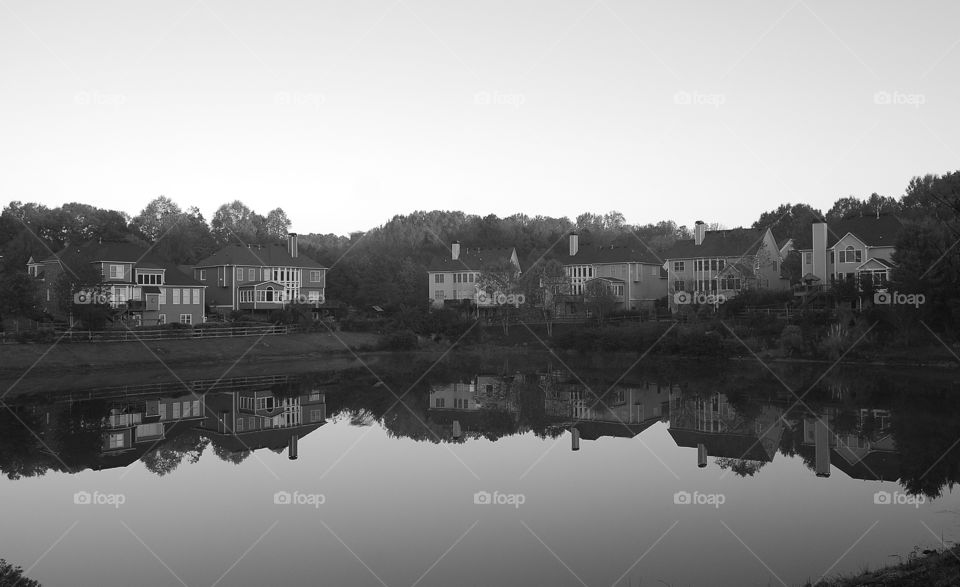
149	277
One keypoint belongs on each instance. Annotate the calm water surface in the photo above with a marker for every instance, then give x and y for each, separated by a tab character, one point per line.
684	474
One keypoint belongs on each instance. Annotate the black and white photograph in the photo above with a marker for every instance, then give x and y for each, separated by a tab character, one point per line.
412	293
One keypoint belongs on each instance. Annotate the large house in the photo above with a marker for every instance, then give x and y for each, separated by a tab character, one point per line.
631	273
261	277
723	262
457	277
140	285
854	249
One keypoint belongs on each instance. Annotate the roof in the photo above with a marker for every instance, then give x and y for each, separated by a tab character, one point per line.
269	255
722	444
594	255
595	429
471	259
873	231
122	252
736	242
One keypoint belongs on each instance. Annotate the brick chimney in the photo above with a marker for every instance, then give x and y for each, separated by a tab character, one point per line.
455	250
574	244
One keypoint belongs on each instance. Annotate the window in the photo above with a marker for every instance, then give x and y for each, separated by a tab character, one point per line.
316	415
678	265
176	410
186	318
162	319
439	402
116	271
851	255
251	423
202	275
808	258
313	296
116	440
678	286
438	277
438	294
152	278
654	270
315	276
239	424
239	273
471	277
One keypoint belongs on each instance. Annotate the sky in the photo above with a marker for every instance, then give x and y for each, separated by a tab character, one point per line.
347	113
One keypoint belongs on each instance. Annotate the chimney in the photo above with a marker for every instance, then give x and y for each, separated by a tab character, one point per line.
457	431
699	230
574	438
455	250
820	268
292	244
821	442
292	448
574	244
701	455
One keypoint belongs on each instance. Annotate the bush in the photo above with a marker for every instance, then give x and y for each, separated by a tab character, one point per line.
403	340
791	340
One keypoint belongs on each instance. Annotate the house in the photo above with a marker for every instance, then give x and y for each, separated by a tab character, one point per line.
867	452
717	263
629	272
261	277
136	282
858	249
454	279
129	423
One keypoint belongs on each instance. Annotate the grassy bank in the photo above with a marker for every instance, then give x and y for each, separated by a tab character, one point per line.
931	569
84	358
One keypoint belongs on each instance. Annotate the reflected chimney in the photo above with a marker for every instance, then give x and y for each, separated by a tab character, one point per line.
574	438
821	441
574	244
292	244
292	449
455	250
457	432
701	455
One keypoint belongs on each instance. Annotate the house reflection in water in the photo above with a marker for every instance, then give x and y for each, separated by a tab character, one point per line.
861	446
137	421
624	411
716	429
238	422
483	404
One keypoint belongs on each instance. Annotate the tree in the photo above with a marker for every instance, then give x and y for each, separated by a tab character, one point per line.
499	285
12	576
277	224
546	285
156	218
600	298
234	221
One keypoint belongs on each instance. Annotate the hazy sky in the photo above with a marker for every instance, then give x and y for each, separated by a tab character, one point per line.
346	113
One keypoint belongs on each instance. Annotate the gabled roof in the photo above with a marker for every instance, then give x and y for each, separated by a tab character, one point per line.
122	252
471	259
597	255
723	444
873	231
269	255
736	242
595	429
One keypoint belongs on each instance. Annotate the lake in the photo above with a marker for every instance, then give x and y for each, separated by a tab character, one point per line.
480	469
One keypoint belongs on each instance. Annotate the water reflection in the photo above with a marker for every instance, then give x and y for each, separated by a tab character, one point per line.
868	428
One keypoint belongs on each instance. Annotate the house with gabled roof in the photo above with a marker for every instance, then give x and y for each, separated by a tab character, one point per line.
455	278
628	271
723	262
261	277
136	282
858	249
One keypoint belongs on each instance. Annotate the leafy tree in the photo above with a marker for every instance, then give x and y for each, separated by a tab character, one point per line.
12	576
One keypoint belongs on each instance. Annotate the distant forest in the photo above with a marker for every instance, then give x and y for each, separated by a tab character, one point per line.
386	265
